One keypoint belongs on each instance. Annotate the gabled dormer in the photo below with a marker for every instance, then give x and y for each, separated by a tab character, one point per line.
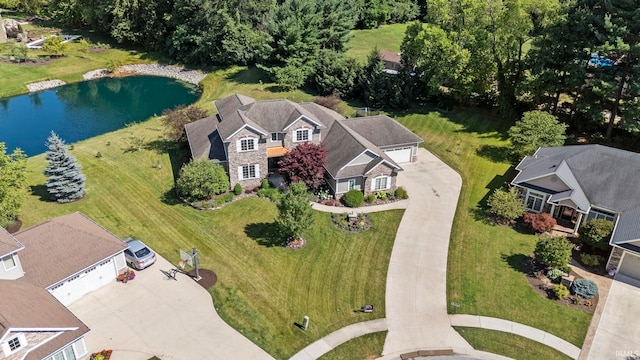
11	268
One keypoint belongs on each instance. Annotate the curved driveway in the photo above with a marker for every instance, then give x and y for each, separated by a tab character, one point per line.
416	293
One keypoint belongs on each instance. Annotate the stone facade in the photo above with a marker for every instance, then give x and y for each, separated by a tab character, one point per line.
380	170
614	258
240	158
290	136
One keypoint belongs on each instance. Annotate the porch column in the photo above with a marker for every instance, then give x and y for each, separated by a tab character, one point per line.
575	228
553	209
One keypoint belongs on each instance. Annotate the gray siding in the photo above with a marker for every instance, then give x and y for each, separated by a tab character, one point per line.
343	185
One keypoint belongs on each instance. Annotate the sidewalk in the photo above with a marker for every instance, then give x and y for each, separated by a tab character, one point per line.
338	337
529	332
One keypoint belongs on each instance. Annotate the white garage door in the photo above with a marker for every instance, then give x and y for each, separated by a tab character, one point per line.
400	155
88	280
630	266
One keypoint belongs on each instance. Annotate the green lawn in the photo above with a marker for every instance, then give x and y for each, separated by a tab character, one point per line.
484	260
386	37
262	289
513	346
366	347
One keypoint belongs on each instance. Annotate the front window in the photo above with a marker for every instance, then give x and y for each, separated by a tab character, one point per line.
247	144
276	137
381	183
599	214
14	344
249	172
352	184
302	134
535	202
9	262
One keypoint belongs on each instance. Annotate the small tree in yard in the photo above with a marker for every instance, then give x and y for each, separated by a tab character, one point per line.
540	223
54	45
13	180
305	163
554	252
65	181
294	211
596	233
536	129
505	205
201	179
175	119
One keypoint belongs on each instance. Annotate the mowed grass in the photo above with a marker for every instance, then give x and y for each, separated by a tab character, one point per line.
263	288
504	344
483	274
366	347
386	37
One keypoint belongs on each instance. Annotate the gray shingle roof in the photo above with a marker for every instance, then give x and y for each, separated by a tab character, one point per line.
383	131
607	178
199	135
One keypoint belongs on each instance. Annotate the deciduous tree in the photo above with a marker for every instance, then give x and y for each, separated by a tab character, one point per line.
12	184
305	163
174	121
536	129
65	182
295	214
505	205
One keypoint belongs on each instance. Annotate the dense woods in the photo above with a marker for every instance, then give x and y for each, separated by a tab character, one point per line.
576	59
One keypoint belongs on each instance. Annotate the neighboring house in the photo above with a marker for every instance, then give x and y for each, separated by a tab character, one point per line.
59	261
582	182
392	61
249	138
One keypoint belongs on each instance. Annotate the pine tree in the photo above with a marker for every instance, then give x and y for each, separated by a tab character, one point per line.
65	181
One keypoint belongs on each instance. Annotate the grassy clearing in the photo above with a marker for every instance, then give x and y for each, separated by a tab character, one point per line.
366	347
263	289
484	260
513	346
386	37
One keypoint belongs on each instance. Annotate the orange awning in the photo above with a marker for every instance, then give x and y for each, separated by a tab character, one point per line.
276	151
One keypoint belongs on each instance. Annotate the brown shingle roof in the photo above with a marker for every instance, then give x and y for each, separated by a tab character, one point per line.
383	131
63	246
8	244
390	56
24	305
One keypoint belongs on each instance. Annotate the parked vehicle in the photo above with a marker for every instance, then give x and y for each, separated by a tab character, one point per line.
138	255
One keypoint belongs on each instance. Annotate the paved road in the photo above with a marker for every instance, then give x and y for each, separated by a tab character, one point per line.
416	294
151	315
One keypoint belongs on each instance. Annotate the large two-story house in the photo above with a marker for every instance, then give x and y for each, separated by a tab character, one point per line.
44	269
582	182
249	137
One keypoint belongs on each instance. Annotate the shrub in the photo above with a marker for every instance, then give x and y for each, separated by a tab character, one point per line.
554	274
220	201
540	223
331	101
553	252
228	197
596	233
560	291
401	193
353	198
272	194
295	214
505	205
323	194
381	195
237	189
370	198
591	260
584	288
201	179
265	184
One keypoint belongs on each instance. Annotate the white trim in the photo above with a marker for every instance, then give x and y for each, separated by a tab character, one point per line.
383	161
254	142
388	183
536	195
242	127
309	135
303	117
22	343
241	171
364	151
15	263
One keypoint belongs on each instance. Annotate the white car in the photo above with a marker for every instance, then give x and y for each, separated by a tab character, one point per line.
138	255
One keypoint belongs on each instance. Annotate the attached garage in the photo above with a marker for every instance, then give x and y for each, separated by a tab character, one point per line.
92	278
400	155
630	265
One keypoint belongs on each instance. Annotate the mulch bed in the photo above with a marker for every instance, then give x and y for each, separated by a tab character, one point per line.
542	285
207	277
14	226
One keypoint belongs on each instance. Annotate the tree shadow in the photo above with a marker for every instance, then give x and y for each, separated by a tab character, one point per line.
499	154
265	234
40	191
516	261
170	197
250	75
178	155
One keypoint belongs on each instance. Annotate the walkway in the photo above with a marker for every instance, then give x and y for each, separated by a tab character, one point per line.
529	332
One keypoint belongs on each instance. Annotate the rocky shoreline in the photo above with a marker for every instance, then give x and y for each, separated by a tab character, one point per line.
179	73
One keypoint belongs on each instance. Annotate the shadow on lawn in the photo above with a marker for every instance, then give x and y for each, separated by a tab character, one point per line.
178	155
40	191
265	234
515	261
494	153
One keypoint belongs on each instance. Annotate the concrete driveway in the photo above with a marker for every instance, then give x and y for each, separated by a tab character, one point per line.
152	315
618	333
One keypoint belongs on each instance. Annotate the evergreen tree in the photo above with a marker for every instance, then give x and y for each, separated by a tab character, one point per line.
65	181
295	213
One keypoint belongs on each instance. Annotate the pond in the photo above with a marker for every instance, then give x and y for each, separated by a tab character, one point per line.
82	110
